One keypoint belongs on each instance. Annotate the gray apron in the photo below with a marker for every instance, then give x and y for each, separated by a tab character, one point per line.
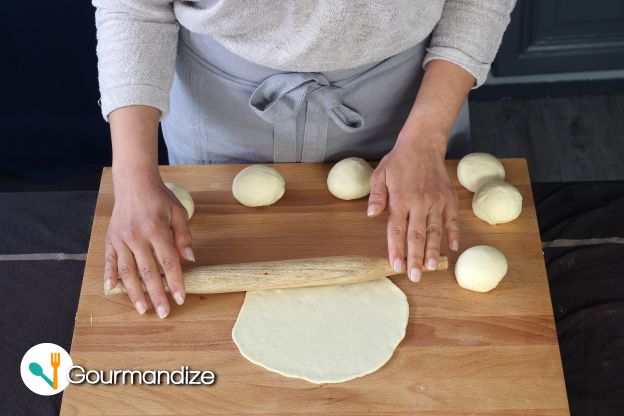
225	109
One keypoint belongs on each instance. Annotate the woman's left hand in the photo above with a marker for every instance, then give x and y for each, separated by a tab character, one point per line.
412	183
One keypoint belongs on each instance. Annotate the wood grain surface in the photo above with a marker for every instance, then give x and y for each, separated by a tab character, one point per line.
464	353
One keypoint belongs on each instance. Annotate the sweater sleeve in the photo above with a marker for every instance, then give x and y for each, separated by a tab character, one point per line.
469	34
136	49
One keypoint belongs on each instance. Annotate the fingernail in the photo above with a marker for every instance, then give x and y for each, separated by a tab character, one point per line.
108	285
415	274
371	210
454	245
189	254
397	265
161	311
139	307
432	264
179	298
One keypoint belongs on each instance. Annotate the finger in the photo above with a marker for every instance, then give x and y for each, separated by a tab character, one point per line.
127	273
451	223
378	195
397	224
148	270
434	236
181	233
110	266
416	237
169	262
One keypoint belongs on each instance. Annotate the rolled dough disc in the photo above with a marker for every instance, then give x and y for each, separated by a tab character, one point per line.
326	334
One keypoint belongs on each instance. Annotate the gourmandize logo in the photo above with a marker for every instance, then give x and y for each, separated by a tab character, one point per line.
55	361
44	369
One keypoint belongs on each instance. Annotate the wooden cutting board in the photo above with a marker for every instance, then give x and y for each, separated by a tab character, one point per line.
464	353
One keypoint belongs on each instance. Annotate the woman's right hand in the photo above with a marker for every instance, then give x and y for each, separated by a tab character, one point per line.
148	232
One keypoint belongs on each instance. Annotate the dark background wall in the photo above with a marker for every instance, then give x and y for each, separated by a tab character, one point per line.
563	36
559	47
50	122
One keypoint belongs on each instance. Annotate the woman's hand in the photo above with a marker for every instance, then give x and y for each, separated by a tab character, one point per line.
412	183
148	232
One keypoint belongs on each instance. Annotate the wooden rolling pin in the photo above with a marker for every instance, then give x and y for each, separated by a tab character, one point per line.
320	271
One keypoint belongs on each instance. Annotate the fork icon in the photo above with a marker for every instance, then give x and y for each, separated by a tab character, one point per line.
55	361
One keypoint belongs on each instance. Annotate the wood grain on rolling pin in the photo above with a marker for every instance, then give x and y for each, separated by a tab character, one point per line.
282	274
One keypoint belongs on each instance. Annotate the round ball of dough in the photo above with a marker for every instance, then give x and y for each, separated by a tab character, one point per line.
183	196
480	268
258	185
497	202
476	169
350	178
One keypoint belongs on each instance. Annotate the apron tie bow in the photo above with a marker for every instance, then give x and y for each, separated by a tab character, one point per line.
280	96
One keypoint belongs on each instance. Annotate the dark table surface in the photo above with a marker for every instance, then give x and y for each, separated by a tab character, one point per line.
44	239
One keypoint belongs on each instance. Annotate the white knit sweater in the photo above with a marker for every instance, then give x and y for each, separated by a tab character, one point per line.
137	39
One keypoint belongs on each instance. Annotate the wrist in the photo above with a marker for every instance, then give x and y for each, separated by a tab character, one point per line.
134	136
424	140
137	175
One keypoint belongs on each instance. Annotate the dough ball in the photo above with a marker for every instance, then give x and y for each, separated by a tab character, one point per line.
476	169
183	196
350	178
480	268
258	185
497	202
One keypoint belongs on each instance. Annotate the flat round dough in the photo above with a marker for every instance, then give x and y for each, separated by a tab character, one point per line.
325	334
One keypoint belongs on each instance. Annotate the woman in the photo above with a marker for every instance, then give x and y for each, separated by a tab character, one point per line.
287	81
